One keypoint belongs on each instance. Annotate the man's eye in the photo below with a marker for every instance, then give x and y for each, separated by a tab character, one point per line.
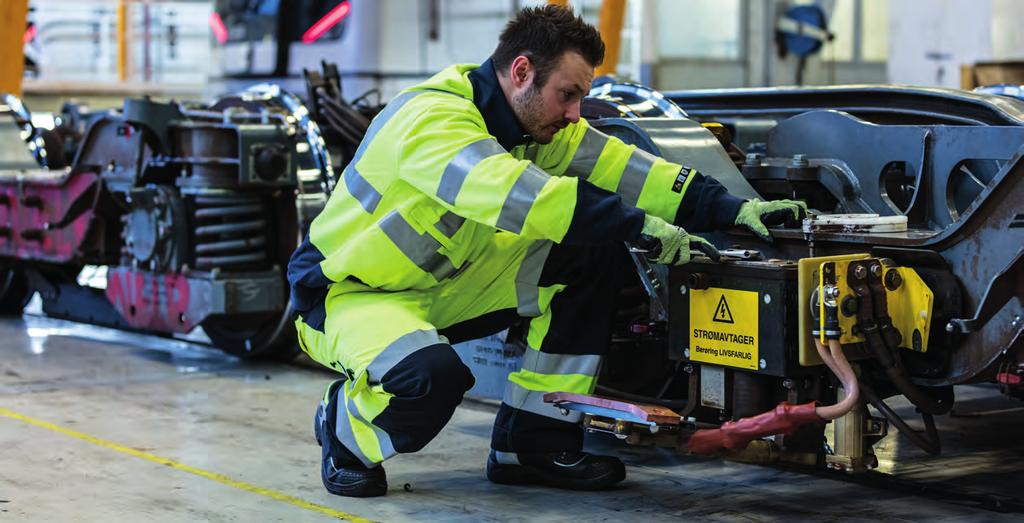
567	95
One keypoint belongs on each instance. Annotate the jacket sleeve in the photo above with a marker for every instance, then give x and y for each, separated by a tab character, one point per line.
706	205
447	154
673	192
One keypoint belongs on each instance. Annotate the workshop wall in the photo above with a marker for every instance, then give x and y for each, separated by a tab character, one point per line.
665	43
930	45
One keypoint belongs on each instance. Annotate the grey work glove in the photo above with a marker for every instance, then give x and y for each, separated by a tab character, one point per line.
669	244
756	215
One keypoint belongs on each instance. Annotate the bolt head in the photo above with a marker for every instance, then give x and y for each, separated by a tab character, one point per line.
767	298
762	363
860	272
686	353
950	327
893	280
876	270
682	289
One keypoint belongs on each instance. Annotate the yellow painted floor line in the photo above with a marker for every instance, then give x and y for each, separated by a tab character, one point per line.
213	476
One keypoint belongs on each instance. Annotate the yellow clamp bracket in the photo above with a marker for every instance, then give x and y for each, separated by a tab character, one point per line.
808	270
909	302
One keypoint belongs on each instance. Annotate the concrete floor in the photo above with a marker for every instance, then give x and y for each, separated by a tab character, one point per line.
97	425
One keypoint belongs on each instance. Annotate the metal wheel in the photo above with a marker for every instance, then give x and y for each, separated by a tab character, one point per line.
612	99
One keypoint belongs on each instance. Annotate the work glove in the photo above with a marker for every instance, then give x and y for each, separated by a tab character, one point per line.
755	215
669	244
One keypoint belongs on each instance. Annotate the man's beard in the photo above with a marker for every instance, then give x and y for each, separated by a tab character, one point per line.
528	107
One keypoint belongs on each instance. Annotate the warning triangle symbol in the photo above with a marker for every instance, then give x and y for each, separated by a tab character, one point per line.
722	312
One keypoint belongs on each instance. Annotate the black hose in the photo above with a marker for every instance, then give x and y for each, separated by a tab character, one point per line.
347	133
929	442
365	97
924	402
356	118
347	109
346	120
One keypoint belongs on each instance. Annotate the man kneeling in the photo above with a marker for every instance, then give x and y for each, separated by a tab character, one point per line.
478	197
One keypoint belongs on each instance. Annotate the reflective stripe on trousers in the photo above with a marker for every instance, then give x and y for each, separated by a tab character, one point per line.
528	279
354	429
398	350
367	442
547	372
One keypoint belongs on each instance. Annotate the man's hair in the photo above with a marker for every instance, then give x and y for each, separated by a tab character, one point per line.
543	34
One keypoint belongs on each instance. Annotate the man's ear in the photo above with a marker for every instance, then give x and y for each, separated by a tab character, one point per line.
521	71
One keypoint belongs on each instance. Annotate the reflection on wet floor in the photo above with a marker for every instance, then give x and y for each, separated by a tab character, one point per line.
101	356
156	348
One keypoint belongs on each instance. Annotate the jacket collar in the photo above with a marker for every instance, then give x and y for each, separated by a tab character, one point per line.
490	101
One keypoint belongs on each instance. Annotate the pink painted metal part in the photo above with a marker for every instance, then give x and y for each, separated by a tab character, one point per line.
732	435
651	413
151	301
1008	379
30	203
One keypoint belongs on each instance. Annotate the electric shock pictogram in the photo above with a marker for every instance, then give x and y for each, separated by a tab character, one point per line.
722	312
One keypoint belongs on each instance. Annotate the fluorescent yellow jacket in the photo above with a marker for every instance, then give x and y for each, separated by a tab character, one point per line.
434	179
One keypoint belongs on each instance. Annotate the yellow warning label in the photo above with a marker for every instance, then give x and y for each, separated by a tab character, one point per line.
723	327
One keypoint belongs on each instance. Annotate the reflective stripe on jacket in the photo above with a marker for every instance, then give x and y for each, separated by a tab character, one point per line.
429	185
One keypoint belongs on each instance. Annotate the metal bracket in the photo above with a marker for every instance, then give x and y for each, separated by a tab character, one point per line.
1006	284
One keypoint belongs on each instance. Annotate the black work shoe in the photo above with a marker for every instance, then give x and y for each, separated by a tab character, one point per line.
353	480
569	470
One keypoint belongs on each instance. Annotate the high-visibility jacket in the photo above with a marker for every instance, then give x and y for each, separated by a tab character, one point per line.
434	179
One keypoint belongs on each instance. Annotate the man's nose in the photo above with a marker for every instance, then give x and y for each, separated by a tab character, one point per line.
572	114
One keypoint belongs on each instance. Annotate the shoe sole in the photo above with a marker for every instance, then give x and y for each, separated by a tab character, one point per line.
527	475
364	488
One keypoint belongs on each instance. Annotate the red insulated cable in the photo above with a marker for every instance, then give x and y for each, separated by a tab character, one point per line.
783	419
